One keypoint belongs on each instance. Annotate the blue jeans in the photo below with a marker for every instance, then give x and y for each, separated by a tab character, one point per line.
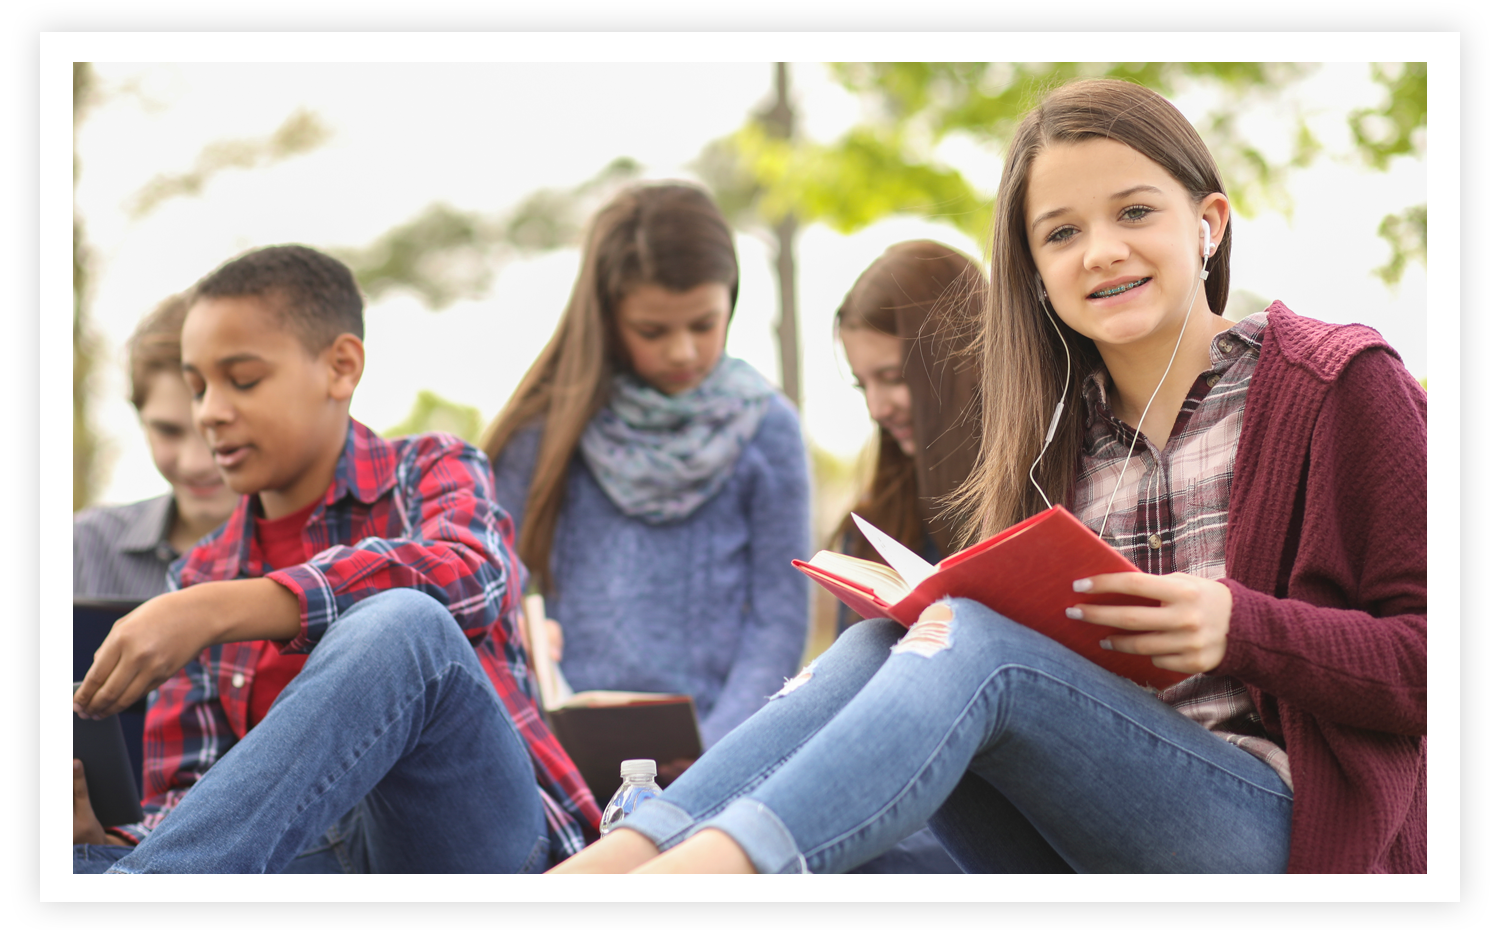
1022	755
389	752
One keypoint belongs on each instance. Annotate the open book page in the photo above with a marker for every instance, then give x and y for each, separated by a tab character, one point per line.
616	698
912	568
882	579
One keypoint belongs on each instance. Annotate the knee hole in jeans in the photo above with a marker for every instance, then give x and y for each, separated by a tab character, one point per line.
931	634
796	681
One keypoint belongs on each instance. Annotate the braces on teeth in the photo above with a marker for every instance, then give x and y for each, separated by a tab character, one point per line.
1118	289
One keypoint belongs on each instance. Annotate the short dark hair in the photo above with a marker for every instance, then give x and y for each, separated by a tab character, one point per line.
319	299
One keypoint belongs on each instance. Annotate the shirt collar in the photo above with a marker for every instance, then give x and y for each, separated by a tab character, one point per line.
1226	348
366	470
153	529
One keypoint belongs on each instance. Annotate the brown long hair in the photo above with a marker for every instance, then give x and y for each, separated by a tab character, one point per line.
930	297
669	235
1023	364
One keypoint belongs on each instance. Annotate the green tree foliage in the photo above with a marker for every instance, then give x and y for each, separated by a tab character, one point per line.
443	254
87	453
300	133
1397	129
1407	234
433	414
890	164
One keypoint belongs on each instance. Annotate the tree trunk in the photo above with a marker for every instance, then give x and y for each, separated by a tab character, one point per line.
778	122
85	347
786	326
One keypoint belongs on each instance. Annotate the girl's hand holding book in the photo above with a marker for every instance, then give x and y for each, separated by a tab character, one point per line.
1187	633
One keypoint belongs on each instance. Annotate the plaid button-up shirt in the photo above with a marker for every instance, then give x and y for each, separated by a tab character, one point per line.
417	513
1171	511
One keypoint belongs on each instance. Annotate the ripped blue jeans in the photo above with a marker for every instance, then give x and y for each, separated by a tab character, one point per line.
1023	756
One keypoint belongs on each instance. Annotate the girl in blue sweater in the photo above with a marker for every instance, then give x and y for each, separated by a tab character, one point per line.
659	487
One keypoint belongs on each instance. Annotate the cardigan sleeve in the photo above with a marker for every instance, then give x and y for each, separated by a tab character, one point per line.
1347	639
775	631
1494	653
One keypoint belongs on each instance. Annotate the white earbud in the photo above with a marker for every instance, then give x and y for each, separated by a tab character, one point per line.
1208	242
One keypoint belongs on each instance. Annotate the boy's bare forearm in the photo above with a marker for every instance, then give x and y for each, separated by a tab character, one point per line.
248	609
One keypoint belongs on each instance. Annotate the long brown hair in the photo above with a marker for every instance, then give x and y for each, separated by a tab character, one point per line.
669	235
1024	367
930	297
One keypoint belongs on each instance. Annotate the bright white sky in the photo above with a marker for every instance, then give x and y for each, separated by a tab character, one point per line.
483	135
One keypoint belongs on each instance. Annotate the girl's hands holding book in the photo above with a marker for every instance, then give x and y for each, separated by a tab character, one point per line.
1187	633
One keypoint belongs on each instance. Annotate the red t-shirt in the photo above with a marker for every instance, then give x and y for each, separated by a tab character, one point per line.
282	547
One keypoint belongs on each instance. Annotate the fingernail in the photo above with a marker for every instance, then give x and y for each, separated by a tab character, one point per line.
1075	613
78	709
1104	644
1083	584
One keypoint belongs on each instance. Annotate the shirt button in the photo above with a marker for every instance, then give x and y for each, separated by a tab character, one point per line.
1224	345
1213	380
1154	541
239	680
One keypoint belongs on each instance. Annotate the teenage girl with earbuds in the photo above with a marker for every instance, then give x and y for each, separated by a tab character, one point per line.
1268	476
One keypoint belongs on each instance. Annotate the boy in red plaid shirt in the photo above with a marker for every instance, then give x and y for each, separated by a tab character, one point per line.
352	631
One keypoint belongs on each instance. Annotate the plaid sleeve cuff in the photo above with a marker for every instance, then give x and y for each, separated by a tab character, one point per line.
315	601
133	832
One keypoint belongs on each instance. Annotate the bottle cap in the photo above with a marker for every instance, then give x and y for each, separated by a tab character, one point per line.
638	767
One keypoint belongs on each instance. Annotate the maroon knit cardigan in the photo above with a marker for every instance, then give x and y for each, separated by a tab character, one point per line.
1327	560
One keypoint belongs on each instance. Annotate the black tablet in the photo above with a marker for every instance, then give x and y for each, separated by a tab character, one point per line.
92	619
100	746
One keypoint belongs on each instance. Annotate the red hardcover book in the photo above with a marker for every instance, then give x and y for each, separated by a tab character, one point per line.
1025	573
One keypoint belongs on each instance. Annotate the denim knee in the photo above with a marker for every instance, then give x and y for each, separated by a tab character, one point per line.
400	629
399	614
868	633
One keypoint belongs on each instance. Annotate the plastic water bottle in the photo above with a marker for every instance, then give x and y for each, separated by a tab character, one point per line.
638	782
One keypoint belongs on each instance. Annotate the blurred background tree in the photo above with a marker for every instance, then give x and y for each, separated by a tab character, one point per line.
300	133
891	163
433	414
772	180
444	254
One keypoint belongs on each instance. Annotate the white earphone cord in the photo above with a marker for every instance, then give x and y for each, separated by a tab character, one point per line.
1057	412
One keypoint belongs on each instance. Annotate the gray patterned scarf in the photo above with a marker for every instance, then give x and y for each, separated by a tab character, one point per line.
659	457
